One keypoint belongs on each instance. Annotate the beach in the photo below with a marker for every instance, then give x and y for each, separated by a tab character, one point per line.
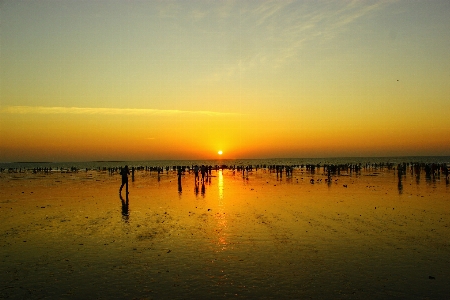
355	235
224	149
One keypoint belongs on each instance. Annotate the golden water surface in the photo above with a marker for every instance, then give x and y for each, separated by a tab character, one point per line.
251	235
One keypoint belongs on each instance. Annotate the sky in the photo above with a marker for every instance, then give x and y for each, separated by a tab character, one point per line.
143	80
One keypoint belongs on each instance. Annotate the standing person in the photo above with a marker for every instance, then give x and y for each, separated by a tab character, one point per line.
179	173
196	172
124	172
203	171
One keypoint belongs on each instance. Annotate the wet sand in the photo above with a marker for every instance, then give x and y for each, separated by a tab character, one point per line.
68	235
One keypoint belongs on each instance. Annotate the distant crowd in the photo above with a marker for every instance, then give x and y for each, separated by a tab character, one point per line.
430	169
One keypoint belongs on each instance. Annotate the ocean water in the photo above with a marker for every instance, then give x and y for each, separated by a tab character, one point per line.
230	162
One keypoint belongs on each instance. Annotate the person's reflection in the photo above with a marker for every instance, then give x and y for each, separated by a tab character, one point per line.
203	189
196	190
428	174
125	208
400	185
447	178
160	170
180	188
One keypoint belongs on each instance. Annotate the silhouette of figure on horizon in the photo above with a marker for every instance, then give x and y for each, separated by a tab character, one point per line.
124	172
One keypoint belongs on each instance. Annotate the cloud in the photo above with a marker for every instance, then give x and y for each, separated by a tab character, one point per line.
169	10
284	28
104	111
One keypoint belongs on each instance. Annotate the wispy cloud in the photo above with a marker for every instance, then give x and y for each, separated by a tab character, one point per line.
322	21
168	10
104	111
284	28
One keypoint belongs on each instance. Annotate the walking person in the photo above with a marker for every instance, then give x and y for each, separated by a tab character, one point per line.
124	172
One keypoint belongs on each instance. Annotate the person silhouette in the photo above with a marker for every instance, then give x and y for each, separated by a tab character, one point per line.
196	172
203	172
179	173
124	172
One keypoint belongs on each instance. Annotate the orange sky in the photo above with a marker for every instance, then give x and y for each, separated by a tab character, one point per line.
182	80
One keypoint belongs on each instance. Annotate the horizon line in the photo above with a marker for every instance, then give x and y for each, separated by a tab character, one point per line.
144	160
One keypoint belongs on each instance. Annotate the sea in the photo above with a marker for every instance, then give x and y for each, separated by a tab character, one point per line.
98	165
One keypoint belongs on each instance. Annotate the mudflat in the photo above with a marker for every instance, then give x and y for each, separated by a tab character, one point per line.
371	234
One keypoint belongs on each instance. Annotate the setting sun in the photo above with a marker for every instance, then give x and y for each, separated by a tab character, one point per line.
260	98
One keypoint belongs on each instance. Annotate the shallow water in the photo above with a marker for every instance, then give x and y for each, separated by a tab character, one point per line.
69	235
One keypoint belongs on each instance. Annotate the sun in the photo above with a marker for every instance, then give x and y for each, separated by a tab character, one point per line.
220	152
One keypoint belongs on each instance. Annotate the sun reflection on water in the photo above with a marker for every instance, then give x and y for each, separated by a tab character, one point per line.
221	216
220	184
